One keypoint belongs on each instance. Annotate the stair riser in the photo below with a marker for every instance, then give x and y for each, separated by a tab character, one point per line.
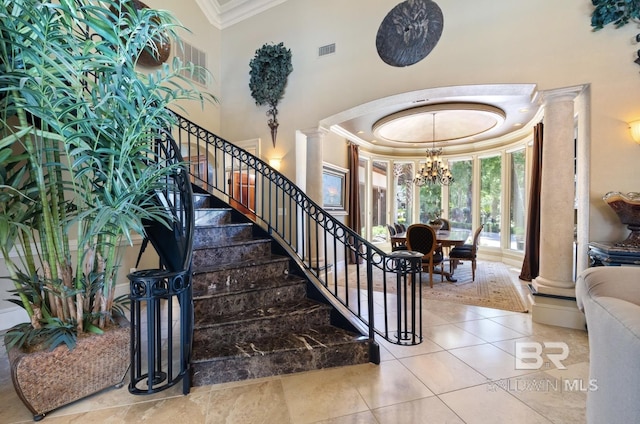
231	304
202	281
201	200
239	332
278	363
205	236
229	254
212	216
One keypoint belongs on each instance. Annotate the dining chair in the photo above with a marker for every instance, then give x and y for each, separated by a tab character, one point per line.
446	225
422	238
466	252
395	245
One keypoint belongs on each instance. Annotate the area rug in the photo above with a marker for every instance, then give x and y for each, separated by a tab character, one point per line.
494	287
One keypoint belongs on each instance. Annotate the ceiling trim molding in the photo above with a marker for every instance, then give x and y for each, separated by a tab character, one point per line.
231	12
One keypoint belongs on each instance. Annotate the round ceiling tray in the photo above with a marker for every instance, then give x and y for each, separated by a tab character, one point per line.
453	121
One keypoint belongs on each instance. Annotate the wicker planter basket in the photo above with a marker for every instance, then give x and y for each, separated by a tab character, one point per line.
47	380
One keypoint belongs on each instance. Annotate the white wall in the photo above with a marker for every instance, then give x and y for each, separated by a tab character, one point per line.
547	42
201	34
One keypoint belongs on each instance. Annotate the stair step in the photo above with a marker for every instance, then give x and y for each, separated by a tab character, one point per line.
313	348
228	251
255	323
201	200
245	271
212	216
234	297
207	235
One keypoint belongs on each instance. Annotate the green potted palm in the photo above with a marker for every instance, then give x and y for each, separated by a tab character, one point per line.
77	172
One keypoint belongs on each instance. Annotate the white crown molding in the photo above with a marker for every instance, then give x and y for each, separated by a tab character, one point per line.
233	11
211	9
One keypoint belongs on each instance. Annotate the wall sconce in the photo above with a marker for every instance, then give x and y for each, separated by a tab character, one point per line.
634	126
275	163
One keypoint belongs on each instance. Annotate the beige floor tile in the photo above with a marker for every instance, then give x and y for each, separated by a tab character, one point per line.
559	395
184	410
109	398
422	411
519	322
490	312
387	384
490	404
490	361
12	409
321	395
443	372
509	346
450	336
488	330
359	418
262	402
452	312
430	319
102	416
401	351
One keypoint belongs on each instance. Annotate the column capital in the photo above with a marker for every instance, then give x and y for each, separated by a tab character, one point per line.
316	132
564	94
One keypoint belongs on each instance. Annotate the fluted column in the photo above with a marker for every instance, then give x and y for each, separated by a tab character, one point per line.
315	138
557	196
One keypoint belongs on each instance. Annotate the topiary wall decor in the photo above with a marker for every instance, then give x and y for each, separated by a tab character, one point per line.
270	68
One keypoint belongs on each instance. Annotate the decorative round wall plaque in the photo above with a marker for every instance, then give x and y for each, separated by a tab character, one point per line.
409	32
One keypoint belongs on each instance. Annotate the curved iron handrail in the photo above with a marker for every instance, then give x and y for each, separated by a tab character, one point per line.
337	260
171	282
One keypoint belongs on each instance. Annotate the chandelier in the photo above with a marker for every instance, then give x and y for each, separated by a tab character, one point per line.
433	171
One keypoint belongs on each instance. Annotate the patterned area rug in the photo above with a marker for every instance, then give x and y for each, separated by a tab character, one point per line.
494	287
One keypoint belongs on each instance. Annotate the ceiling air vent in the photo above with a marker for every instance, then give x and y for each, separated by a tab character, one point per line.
328	49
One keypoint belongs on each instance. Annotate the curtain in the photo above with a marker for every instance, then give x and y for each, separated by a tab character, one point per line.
531	263
353	157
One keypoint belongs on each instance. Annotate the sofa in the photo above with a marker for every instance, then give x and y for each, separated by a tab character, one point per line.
610	299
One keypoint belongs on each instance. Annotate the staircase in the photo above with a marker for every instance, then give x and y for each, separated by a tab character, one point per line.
253	316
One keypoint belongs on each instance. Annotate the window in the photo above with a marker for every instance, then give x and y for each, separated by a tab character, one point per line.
490	200
517	199
379	200
403	178
430	202
461	194
362	194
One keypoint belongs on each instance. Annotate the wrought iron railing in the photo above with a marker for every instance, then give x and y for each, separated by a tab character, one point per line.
378	292
161	299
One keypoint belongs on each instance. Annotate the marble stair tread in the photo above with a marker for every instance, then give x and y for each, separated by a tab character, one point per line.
272	312
231	287
259	261
223	225
307	339
234	242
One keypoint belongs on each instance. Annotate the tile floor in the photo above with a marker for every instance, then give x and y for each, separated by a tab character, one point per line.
463	372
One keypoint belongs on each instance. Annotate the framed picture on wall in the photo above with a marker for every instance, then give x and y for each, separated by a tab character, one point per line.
334	188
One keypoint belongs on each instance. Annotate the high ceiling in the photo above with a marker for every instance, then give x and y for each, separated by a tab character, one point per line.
224	13
467	118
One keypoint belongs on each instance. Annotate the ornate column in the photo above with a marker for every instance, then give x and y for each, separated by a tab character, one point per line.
557	221
554	288
315	138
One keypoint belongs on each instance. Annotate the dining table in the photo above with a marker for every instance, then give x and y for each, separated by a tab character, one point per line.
446	238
